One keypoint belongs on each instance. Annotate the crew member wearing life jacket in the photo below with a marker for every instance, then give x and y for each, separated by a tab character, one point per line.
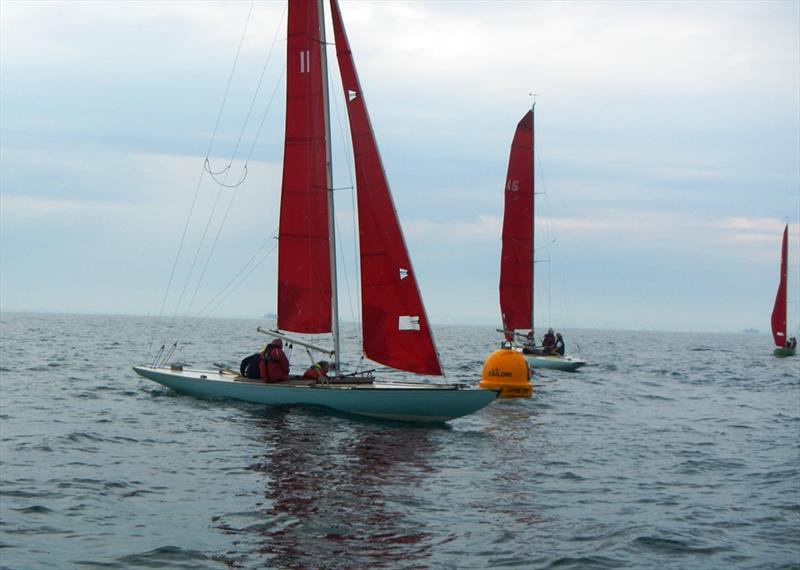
273	365
529	341
559	347
549	341
317	371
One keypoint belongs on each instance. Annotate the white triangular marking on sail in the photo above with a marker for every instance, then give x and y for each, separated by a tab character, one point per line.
351	95
403	273
408	323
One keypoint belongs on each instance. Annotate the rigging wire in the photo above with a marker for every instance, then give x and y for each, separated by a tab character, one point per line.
248	114
242	280
238	279
266	112
209	257
354	307
233	157
200	181
175	263
233	195
544	224
226	170
212	248
222	183
207	166
554	263
194	260
230	79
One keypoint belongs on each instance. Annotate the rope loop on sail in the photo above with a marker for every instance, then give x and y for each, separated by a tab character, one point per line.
207	167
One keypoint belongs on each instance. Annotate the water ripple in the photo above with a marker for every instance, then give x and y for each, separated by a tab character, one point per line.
638	462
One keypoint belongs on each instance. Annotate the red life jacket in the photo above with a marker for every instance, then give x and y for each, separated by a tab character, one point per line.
274	366
314	373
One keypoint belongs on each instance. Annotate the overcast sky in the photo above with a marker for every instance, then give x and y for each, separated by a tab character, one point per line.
668	150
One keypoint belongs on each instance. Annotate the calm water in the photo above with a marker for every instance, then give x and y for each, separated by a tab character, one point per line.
668	451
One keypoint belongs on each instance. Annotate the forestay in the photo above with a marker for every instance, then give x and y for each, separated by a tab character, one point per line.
395	327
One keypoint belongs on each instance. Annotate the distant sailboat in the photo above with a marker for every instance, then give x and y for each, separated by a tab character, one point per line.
395	328
784	346
517	257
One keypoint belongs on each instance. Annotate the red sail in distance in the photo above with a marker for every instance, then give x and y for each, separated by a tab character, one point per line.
304	267
516	260
779	310
395	328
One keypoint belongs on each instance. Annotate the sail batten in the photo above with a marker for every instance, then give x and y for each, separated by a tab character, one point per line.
779	309
304	266
516	261
391	301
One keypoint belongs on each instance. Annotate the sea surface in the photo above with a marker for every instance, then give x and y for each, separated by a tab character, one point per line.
668	450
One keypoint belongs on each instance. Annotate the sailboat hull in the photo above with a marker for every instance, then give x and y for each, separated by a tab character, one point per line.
401	402
783	351
564	363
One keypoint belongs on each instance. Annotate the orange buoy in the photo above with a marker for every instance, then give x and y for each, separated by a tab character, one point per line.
507	370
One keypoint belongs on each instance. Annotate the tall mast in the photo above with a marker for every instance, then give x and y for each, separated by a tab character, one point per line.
533	208
329	185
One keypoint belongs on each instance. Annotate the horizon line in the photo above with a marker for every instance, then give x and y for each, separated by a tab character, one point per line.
753	331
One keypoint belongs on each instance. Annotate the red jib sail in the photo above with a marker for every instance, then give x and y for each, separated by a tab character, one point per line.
779	310
516	261
304	268
395	328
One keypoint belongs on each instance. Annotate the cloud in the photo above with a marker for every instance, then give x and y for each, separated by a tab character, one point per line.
72	176
25	208
658	229
598	46
154	36
740	230
480	229
667	136
129	214
617	230
461	51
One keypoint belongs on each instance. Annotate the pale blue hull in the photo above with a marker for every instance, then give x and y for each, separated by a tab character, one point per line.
565	363
403	402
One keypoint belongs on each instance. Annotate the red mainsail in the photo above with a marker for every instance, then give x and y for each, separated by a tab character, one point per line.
779	310
304	267
395	328
516	261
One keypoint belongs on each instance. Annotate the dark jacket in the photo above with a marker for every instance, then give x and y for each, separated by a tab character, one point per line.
249	367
